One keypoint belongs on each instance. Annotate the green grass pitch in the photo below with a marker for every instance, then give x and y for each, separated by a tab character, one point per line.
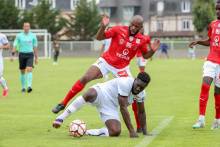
25	119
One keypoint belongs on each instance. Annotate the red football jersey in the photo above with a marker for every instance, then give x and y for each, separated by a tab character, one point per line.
123	47
139	53
214	36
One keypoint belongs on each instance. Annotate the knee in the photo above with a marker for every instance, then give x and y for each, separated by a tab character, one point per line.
114	132
29	69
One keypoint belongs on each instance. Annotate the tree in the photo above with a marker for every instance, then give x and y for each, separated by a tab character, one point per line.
204	13
47	18
27	16
85	23
9	15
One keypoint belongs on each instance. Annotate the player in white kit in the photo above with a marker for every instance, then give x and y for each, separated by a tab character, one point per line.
4	44
107	98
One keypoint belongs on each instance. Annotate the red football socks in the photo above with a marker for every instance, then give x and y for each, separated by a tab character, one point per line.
204	95
217	106
77	87
134	108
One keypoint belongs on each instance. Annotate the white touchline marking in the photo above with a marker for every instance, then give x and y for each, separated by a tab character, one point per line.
156	131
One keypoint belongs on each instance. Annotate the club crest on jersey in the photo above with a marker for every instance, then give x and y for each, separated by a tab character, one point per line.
138	41
216	41
219	25
121	41
217	31
131	38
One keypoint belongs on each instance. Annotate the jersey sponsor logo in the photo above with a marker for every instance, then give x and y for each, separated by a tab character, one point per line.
124	54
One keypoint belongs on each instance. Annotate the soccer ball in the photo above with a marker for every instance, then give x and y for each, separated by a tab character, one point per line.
77	128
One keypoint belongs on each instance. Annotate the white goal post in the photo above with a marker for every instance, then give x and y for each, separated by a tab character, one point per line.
44	40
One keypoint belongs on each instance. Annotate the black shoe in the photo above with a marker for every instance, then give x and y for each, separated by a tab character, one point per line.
23	90
29	89
58	108
139	130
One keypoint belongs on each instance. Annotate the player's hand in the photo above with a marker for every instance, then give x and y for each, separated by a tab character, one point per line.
192	44
133	134
155	45
105	21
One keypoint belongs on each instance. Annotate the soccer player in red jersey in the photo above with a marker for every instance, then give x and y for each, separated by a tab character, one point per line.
126	41
211	71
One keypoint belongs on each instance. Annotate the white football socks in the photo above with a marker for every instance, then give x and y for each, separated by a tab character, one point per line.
3	83
98	132
73	107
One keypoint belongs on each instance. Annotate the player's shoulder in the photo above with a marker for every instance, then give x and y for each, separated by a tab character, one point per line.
125	80
214	22
2	35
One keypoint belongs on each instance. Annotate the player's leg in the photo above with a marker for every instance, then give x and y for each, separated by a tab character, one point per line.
216	123
113	129
209	73
22	65
96	71
135	110
89	97
29	68
2	80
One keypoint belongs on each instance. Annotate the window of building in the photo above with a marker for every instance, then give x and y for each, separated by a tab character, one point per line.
53	3
159	25
186	25
128	13
185	6
160	6
73	4
33	3
20	4
106	11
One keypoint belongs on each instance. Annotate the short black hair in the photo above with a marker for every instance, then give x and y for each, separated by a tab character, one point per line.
145	77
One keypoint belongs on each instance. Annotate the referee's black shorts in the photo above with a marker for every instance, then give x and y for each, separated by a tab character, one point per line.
26	60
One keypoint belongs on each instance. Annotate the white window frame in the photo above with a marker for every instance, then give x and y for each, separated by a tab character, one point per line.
160	25
160	6
20	4
106	11
73	4
185	6
185	25
53	3
128	13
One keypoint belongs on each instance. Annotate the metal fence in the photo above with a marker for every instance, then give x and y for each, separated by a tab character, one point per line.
177	49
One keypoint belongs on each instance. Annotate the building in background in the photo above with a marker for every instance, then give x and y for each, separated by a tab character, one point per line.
63	5
162	18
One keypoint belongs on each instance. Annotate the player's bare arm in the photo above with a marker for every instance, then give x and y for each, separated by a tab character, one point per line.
142	117
104	23
153	48
36	55
123	102
5	46
205	42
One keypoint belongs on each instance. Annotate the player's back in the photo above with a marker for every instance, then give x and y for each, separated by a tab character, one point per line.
116	86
